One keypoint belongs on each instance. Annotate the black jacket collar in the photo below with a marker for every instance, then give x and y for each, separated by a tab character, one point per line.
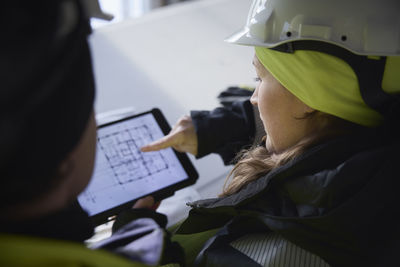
71	223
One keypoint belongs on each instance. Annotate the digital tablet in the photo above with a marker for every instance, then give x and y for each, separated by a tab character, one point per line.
123	174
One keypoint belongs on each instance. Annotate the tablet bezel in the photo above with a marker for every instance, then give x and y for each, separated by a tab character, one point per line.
159	194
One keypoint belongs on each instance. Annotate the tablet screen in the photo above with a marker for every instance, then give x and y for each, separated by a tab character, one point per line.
122	172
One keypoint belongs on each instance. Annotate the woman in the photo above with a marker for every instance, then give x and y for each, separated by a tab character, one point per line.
322	187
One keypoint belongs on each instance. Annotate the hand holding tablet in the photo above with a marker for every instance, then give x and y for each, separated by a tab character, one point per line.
123	173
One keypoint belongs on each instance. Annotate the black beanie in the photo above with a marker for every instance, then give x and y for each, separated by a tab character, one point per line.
46	96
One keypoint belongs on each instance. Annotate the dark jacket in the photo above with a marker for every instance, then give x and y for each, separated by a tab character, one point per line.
338	200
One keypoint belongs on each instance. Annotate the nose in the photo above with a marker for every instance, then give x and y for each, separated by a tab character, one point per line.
254	98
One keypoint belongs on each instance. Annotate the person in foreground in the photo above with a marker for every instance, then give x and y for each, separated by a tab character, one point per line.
321	188
47	141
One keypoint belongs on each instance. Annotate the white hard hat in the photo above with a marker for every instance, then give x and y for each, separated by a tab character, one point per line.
365	27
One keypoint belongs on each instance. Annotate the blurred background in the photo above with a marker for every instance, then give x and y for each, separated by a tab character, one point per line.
125	9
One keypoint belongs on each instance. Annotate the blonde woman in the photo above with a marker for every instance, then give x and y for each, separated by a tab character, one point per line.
321	188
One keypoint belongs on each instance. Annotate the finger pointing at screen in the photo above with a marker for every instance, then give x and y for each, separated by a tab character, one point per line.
182	138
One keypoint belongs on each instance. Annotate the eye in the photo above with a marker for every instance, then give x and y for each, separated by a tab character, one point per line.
257	79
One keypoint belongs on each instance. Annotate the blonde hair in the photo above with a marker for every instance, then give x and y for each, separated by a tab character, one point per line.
258	161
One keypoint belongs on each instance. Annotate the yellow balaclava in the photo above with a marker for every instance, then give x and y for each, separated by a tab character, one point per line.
327	83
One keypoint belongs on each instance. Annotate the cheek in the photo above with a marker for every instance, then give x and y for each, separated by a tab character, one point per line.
85	159
90	152
274	112
267	108
272	127
267	111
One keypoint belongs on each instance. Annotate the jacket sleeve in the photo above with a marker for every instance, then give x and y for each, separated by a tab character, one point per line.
226	130
140	235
